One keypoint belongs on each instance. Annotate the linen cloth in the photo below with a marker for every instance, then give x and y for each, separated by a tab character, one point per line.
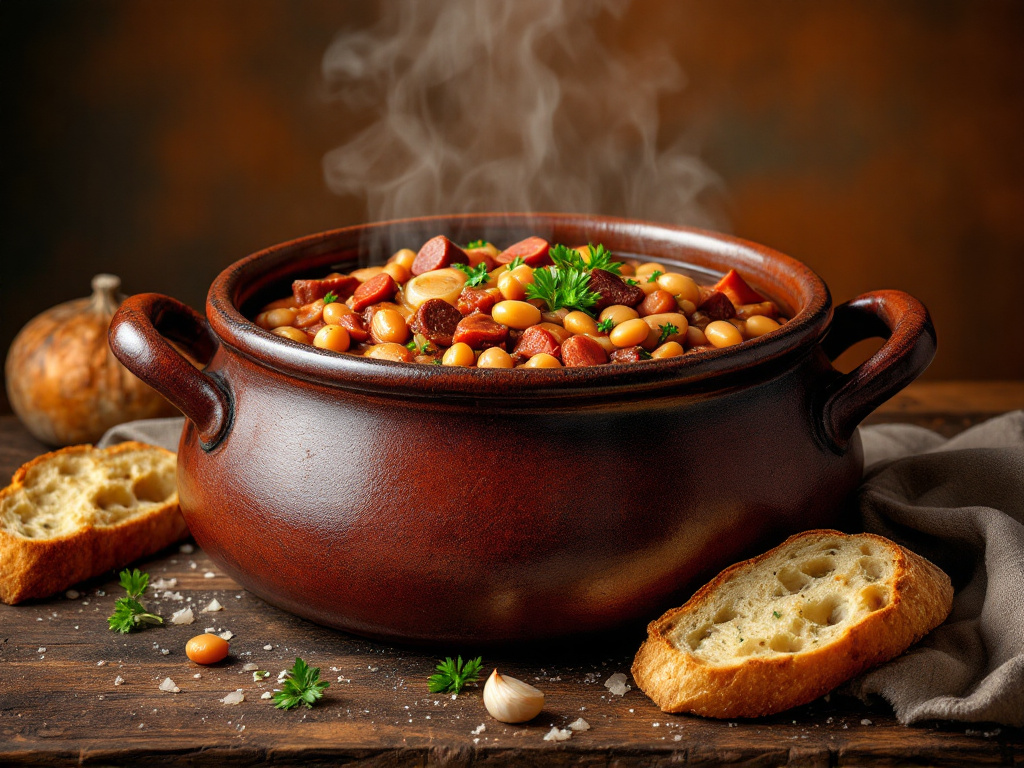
958	502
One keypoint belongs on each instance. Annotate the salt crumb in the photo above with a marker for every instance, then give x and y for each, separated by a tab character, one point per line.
479	729
209	575
213	606
267	695
186	549
176	596
617	684
197	675
100	593
268	647
101	663
558	735
250	666
677	737
579	725
210	629
72	594
865	721
373	669
227	634
192	564
118	680
164	584
169	686
164	651
234	698
282	675
41	650
184	616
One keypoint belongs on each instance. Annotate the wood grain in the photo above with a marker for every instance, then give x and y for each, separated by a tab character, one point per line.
60	705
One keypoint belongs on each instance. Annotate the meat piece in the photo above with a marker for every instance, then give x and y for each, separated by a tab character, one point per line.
613	290
580	351
534	341
437	320
480	332
630	355
308	291
657	302
473	300
309	314
379	288
437	253
354	325
737	290
533	251
717	306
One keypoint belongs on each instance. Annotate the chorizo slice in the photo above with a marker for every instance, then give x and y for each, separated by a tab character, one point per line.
717	306
630	355
437	253
534	341
473	300
308	291
614	290
533	251
578	351
436	320
480	332
379	288
354	325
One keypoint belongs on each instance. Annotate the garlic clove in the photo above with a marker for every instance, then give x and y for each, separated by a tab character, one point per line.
511	701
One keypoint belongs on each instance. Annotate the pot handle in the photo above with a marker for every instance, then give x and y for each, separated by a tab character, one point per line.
139	333
910	346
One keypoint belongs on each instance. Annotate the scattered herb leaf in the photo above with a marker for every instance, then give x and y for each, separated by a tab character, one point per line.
654	276
452	675
419	344
518	261
605	325
477	275
302	686
644	354
666	330
631	281
558	287
776	614
330	297
476	244
129	613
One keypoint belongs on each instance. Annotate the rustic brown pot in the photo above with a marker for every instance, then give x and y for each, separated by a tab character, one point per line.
435	504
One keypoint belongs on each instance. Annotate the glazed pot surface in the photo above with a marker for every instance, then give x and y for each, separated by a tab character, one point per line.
406	502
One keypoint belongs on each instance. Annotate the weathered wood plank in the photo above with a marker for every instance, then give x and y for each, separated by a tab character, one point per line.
60	705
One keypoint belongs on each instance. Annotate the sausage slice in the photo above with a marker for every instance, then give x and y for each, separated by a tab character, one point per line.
308	291
533	251
535	341
437	253
437	320
580	351
480	332
378	288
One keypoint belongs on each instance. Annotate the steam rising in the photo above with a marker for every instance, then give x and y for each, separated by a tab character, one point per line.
508	106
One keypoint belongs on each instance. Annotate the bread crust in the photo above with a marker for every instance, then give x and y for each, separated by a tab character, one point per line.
922	598
33	568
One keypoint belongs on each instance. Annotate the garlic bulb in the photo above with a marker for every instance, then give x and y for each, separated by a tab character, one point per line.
63	381
510	700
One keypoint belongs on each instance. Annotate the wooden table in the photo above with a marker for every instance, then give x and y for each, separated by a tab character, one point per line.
59	702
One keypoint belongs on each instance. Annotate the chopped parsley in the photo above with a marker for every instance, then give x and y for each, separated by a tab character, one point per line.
605	325
776	614
129	612
562	287
631	281
452	675
569	258
654	276
666	330
477	275
518	261
330	297
476	244
302	686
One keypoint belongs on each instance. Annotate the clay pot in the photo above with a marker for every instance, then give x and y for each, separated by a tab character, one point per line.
444	505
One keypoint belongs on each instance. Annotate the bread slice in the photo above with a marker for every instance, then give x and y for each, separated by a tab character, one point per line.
790	625
77	512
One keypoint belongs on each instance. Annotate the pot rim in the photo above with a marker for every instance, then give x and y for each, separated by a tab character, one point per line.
779	275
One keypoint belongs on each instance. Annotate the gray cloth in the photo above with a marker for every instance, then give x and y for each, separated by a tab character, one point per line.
958	502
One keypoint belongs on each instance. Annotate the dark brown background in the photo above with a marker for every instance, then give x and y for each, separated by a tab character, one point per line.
879	142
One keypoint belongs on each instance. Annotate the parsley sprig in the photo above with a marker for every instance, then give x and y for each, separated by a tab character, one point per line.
302	686
653	278
477	275
666	330
570	258
330	297
129	612
606	325
452	675
560	287
518	261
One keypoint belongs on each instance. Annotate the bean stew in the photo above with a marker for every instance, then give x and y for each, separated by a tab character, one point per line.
532	305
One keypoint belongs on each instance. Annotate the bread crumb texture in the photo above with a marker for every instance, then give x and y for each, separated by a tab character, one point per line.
75	513
806	595
788	626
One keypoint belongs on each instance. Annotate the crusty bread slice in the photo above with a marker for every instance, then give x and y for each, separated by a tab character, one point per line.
77	512
790	625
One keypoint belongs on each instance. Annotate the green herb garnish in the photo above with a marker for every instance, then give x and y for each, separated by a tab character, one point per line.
476	244
330	297
776	614
558	288
601	258
644	354
477	275
606	325
654	276
631	281
302	686
666	330
452	675
518	261
569	258
419	344
129	613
